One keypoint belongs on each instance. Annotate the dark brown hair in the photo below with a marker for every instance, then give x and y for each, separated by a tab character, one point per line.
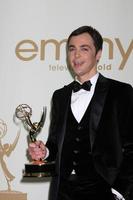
96	36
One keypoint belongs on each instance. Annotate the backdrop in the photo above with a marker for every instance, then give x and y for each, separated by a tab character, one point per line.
33	64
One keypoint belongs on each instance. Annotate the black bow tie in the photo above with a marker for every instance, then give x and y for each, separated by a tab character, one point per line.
77	86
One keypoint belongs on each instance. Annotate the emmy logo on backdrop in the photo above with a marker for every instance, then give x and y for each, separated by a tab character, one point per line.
6	150
36	168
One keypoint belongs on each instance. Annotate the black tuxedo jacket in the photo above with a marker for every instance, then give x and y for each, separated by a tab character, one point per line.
110	129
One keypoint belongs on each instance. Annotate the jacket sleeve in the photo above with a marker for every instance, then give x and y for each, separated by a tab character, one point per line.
124	180
51	142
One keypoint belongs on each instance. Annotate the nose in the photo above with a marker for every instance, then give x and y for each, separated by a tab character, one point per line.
77	53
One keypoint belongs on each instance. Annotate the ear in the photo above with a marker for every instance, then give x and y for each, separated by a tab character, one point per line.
98	55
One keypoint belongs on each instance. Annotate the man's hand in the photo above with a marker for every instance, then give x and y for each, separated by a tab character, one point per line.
37	150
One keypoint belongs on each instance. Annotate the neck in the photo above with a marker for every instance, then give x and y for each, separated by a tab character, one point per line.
86	77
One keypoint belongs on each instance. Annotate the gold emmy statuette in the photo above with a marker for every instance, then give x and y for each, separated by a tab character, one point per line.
5	150
38	168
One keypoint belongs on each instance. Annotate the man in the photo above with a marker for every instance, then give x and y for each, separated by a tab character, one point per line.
91	132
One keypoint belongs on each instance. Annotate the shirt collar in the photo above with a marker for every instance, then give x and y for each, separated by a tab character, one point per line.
93	79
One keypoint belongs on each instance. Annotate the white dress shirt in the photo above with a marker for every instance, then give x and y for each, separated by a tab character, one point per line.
81	99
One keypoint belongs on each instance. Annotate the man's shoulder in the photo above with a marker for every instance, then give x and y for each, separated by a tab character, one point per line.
63	90
116	82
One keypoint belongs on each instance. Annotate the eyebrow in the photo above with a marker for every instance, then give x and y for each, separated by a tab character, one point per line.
83	45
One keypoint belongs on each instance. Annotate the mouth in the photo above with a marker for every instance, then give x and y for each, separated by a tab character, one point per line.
78	63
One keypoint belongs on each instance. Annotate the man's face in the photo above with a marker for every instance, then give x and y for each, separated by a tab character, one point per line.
82	55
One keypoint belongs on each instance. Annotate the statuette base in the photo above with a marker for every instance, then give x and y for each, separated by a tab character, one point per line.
42	169
12	195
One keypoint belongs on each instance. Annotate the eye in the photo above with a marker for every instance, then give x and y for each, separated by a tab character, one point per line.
85	49
71	49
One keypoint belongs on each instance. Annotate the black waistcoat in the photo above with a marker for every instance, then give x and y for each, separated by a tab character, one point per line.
76	152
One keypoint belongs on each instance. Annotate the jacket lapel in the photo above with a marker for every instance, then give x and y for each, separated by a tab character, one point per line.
98	102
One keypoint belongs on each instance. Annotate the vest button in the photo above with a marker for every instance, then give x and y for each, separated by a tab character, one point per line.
74	163
77	139
76	151
79	128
